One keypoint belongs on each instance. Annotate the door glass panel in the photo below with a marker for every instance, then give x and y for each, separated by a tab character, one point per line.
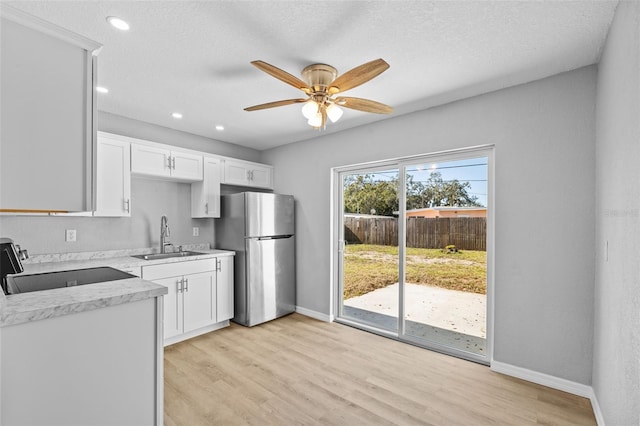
370	257
445	266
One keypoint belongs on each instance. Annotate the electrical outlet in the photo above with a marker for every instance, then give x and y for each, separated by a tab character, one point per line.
196	231
70	235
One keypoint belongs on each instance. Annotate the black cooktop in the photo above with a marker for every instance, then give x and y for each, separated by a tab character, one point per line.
60	279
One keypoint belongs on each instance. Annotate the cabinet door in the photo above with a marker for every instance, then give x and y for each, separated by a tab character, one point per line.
113	178
150	161
224	288
205	195
186	166
46	111
173	308
199	300
261	176
236	173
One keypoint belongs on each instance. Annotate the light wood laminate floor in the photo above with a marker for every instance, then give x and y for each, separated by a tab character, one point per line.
300	371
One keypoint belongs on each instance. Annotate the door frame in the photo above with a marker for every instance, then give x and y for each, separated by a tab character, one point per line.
337	244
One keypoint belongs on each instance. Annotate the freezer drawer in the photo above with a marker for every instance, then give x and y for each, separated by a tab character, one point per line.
270	279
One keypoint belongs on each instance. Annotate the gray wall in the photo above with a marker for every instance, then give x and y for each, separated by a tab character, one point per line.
616	355
544	200
150	199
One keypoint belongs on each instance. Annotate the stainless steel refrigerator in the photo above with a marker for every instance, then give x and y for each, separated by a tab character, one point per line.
260	228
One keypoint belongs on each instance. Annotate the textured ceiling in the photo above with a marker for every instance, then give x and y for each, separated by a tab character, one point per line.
193	57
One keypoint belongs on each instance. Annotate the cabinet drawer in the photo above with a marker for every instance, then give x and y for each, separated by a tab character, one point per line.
175	269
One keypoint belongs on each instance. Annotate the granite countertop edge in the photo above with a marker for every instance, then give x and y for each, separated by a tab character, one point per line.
27	307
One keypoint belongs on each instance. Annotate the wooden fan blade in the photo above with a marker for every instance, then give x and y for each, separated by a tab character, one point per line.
282	75
358	76
365	105
275	104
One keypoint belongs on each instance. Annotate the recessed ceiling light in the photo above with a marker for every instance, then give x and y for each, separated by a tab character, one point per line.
118	23
176	115
101	89
219	128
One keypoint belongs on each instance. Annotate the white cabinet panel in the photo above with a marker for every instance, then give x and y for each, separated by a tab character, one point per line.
205	195
199	300
246	173
158	161
113	177
224	291
200	295
46	110
186	166
262	176
150	160
97	367
173	308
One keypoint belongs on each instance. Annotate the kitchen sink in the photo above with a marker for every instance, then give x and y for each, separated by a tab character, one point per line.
155	256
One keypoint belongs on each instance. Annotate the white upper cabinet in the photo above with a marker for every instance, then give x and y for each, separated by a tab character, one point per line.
150	160
47	110
113	177
205	195
247	173
186	166
158	161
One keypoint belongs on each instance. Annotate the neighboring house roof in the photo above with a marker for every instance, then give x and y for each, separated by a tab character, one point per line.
448	208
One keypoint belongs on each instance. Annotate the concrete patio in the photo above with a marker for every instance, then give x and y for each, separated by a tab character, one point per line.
449	317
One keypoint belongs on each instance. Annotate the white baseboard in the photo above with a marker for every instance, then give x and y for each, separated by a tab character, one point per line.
564	385
596	408
542	379
314	314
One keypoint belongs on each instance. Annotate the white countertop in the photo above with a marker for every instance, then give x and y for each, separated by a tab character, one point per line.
20	308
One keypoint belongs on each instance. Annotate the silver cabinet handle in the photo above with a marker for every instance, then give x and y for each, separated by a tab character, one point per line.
179	285
251	174
169	162
127	205
186	284
173	162
206	208
248	173
218	265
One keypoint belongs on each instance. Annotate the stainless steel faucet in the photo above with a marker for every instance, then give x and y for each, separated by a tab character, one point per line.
164	233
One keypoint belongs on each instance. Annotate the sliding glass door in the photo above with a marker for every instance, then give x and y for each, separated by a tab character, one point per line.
413	237
445	275
369	237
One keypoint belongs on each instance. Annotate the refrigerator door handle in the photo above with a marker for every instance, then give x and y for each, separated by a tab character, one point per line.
275	237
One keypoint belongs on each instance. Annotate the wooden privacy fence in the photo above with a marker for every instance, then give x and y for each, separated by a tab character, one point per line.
466	233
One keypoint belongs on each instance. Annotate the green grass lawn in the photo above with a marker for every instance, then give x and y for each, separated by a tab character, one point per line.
369	267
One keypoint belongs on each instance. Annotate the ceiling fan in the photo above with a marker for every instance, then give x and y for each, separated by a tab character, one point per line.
320	83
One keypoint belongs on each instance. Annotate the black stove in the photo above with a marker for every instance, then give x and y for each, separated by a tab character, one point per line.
49	280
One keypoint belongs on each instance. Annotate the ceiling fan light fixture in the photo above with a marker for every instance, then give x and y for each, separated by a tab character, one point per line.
320	82
316	120
334	112
309	109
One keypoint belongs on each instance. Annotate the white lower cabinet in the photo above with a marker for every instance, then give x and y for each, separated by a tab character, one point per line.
200	297
224	289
